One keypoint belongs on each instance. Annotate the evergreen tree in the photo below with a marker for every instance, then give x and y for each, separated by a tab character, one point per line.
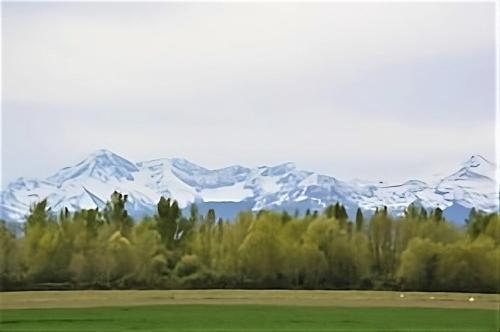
167	220
359	220
211	218
385	212
193	213
423	213
412	211
117	215
330	211
336	211
438	215
342	217
285	217
39	215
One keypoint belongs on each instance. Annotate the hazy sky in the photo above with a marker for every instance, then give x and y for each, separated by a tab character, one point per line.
373	91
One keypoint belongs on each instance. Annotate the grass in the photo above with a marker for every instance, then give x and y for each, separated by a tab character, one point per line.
247	318
89	298
265	311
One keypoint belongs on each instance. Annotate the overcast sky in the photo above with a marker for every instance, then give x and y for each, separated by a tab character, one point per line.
371	91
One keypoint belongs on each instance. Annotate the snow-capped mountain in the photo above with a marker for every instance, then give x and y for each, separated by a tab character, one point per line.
90	183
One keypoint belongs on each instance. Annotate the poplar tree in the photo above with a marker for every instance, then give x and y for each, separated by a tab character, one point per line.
359	220
167	220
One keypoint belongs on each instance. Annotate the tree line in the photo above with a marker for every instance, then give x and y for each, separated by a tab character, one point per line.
93	249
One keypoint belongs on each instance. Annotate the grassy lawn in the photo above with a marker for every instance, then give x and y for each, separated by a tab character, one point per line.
219	310
247	318
89	298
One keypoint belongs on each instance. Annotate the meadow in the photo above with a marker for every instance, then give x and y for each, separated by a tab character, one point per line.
238	310
90	271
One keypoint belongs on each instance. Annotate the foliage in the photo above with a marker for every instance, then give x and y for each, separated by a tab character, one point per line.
108	249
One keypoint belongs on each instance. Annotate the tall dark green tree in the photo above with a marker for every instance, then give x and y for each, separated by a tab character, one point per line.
167	220
285	216
423	213
359	220
210	219
330	211
412	211
39	215
438	215
116	214
186	226
194	213
340	214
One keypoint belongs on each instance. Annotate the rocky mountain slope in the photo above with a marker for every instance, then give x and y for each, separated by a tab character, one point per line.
90	183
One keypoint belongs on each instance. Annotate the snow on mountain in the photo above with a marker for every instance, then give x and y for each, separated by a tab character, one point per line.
103	165
90	183
234	193
398	197
473	185
201	178
158	176
85	185
18	195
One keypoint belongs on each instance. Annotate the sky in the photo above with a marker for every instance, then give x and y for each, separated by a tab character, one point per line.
354	90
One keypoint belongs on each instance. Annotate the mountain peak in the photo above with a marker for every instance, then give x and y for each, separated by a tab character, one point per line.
186	165
477	160
100	153
479	165
279	169
106	158
101	164
90	182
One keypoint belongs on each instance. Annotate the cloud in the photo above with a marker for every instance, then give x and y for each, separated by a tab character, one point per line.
328	85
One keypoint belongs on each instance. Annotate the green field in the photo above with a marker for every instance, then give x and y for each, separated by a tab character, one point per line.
247	318
245	311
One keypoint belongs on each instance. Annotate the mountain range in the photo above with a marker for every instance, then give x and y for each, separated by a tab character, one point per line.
229	190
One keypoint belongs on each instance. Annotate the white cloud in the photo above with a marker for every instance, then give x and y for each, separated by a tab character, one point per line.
249	83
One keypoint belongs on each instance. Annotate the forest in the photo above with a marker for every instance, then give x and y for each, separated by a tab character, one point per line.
94	249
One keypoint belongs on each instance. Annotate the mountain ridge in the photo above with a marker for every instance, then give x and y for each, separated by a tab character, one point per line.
89	183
